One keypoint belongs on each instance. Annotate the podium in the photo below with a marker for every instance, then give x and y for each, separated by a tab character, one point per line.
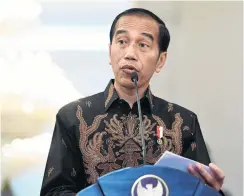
148	180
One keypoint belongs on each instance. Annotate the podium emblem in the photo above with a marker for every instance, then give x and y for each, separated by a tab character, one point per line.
149	185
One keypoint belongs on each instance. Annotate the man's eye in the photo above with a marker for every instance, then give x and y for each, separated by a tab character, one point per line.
121	41
143	45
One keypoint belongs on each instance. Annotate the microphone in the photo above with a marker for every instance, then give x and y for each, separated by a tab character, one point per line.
134	79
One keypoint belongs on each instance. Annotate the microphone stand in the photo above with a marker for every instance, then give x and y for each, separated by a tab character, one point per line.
142	128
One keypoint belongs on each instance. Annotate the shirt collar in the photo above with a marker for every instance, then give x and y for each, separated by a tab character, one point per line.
110	95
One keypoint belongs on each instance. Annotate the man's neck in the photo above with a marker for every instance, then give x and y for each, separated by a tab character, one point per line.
129	95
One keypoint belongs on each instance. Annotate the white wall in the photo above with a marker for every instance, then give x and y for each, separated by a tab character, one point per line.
204	74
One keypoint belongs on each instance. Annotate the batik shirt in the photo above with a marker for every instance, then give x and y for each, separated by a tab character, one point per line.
100	133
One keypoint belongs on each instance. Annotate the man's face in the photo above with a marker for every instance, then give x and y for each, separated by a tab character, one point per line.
135	48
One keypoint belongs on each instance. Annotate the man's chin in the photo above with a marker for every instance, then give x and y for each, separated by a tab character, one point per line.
126	83
128	86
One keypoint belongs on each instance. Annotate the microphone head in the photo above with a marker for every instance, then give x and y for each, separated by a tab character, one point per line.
134	76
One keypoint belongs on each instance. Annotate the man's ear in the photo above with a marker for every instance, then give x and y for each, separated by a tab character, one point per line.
109	45
161	61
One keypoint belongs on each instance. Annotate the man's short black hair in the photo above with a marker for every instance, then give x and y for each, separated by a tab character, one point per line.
164	36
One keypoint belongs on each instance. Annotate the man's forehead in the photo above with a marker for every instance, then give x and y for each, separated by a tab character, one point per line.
144	24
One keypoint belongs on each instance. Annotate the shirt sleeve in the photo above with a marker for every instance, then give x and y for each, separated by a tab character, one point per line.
64	172
197	150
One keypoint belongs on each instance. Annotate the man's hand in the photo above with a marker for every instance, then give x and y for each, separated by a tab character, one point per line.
216	180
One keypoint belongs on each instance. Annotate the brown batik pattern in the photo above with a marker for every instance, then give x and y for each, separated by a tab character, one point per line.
122	148
170	107
193	146
130	154
186	128
126	137
110	94
108	167
172	139
127	127
50	171
91	149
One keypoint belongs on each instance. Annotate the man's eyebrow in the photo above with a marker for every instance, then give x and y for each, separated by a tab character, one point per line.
148	35
120	32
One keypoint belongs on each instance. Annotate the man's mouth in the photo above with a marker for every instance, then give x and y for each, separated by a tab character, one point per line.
129	69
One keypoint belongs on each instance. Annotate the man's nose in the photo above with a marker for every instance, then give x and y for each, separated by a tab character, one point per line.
131	53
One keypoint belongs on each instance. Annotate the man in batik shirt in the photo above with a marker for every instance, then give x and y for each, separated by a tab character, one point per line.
100	133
